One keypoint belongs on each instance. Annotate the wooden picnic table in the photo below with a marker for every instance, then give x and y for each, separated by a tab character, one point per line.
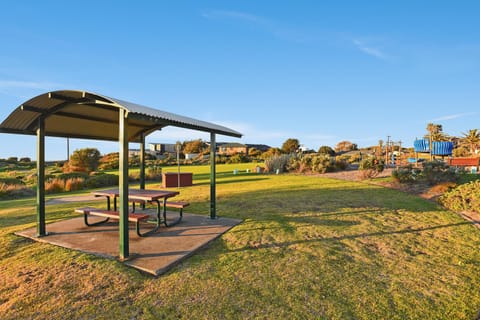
137	195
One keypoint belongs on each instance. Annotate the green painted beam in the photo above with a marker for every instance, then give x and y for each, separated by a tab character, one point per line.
123	185
213	204
41	230
142	162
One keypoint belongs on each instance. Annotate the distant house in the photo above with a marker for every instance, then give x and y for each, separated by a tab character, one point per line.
133	152
136	152
223	148
161	148
231	148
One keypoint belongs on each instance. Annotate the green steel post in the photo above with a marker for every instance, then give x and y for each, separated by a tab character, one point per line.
213	149
123	185
142	162
41	177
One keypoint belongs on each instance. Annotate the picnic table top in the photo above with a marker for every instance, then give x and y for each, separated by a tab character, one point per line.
149	194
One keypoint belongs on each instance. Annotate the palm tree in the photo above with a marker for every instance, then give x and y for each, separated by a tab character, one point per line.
472	140
435	132
380	148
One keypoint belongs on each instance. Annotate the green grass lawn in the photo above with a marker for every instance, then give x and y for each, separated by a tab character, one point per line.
309	248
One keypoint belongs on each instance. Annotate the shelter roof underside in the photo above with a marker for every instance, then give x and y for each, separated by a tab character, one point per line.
80	114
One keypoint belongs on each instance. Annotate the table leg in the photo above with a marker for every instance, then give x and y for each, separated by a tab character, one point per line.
165	211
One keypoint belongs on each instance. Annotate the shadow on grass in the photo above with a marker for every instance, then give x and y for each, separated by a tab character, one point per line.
229	181
334	201
346	237
226	174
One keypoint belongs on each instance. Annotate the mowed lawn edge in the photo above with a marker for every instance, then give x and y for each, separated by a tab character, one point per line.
308	247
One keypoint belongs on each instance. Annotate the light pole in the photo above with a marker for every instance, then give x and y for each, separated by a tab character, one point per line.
68	149
386	150
178	147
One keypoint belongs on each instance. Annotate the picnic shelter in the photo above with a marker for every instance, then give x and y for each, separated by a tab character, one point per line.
87	115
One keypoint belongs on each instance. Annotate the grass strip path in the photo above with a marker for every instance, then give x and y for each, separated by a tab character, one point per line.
309	248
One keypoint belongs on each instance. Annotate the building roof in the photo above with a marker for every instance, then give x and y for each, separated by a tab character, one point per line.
261	147
86	115
230	145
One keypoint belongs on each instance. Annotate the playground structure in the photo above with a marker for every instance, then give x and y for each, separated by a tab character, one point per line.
443	149
393	152
438	148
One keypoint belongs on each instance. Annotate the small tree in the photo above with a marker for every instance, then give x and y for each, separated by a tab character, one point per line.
271	152
291	145
370	167
435	132
193	146
379	151
253	152
471	139
326	150
85	160
345	146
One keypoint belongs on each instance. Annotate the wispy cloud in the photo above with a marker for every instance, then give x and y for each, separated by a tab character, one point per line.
453	116
370	49
270	26
223	14
13	84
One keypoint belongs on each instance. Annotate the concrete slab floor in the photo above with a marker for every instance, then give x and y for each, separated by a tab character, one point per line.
154	254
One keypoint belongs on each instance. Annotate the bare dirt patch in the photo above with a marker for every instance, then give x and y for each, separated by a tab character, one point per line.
353	174
422	190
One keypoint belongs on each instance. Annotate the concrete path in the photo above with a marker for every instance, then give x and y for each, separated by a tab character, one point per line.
66	199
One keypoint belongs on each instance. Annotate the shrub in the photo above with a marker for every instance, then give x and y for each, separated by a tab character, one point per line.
326	150
238	158
73	175
85	160
432	173
11	181
74	184
153	173
299	164
465	197
406	174
54	185
277	162
443	187
220	159
271	153
341	163
102	180
318	163
438	171
15	191
353	158
12	160
134	176
322	163
370	167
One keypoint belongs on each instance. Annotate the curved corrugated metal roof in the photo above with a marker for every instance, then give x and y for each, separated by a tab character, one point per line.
86	115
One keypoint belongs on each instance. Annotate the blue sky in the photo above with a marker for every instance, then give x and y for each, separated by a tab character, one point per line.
318	71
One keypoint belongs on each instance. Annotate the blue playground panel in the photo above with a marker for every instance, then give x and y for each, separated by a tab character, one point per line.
439	148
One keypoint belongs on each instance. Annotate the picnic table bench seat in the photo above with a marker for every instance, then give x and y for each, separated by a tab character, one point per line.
169	204
108	214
